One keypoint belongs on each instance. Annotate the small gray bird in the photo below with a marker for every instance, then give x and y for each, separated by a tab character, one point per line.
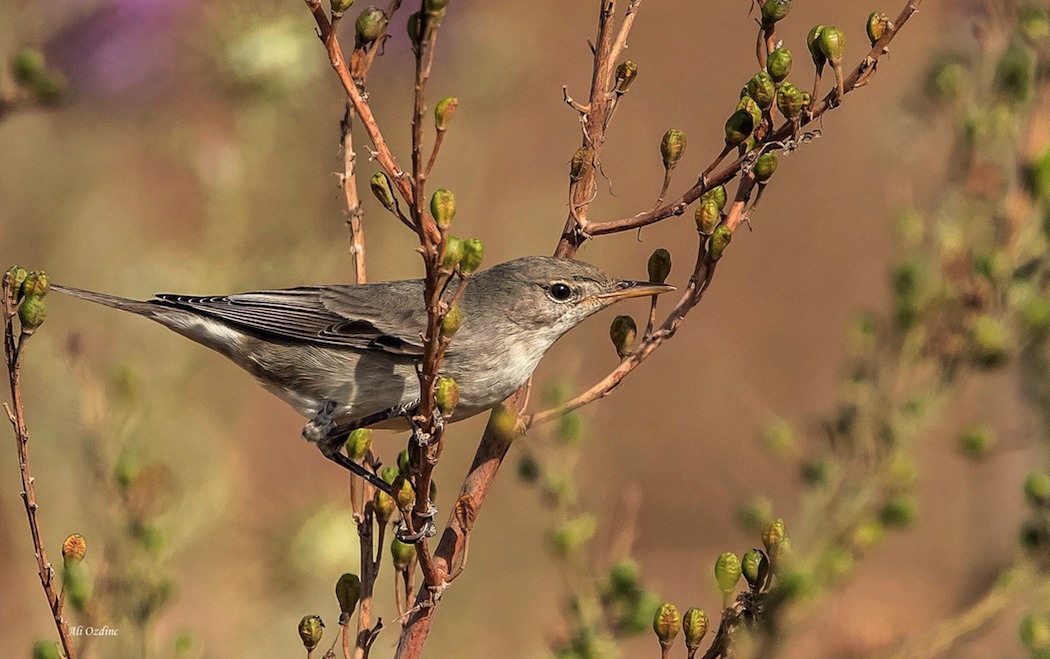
345	356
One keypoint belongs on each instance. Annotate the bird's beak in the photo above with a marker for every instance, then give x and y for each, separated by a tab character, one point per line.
627	289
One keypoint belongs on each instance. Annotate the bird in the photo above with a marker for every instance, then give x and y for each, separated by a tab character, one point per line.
346	356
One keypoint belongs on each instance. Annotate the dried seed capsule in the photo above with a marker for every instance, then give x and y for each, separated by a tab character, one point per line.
625	75
348	592
779	64
622	331
659	265
311	628
765	166
672	146
762	89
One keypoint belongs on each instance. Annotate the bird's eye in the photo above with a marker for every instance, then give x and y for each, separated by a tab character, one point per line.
560	291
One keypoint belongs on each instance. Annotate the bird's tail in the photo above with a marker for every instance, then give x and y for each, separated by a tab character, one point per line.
124	304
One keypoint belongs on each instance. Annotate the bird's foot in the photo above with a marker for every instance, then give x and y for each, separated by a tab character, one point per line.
319	428
420	436
428	529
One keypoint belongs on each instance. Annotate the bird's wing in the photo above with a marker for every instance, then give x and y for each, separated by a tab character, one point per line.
387	316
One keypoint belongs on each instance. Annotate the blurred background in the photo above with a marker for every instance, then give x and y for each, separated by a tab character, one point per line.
195	152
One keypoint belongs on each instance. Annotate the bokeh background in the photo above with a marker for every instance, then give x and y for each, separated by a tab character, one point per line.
195	153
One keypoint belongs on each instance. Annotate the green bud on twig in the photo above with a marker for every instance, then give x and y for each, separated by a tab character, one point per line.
452	321
1037	488
1035	633
773	537
14	278
727	572
358	442
707	217
46	649
659	266
622	331
77	584
444	111
404	462
720	239
446	395
30	71
401	554
339	7
382	189
739	127
384	505
443	207
779	64
761	88
625	75
989	341
751	106
435	6
36	283
666	623
754	566
74	548
775	10
765	166
716	194
415	29
977	441
369	26
453	253
899	511
672	146
790	101
815	51
404	494
389	473
695	624
311	628
32	312
878	23
473	253
832	43
348	592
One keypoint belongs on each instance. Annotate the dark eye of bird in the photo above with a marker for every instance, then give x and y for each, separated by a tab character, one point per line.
561	291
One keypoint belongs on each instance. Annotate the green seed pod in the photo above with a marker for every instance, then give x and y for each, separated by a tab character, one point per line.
311	628
899	511
14	278
813	44
1015	72
752	107
666	623
579	161
77	584
807	100
761	88
773	537
625	75
444	111
358	442
446	395
452	321
1037	488
989	341
1035	633
832	43
720	239
339	7
790	101
389	473
453	253
435	6
36	283
695	625
401	554
765	166
369	27
977	441
624	580
404	462
415	29
404	494
659	266
1034	24
779	64
382	189
32	312
716	194
774	10
878	23
622	331
384	506
754	566
739	127
727	572
707	217
74	548
28	66
473	253
46	649
348	592
672	146
443	207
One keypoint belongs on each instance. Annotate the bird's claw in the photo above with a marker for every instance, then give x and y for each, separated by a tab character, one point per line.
320	427
427	530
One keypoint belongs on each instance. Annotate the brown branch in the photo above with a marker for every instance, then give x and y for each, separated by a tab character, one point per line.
13	353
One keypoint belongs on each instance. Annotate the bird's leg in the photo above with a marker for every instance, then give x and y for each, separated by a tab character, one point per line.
427	530
420	436
319	427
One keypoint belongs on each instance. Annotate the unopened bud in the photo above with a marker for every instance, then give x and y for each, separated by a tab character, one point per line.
899	511
727	572
751	105
807	100
384	505
505	423
74	548
779	64
775	10
989	341
452	321
435	6
754	566
443	207
832	44
382	189
78	585
659	266
716	194
813	45
473	253
707	217
790	101
625	75
739	127
36	283
878	23
401	554
773	537
30	71
404	494
369	26
695	625
389	473
1035	633
32	312
761	88
358	442
622	331
339	7
311	628
348	592
444	111
1037	488
446	395
765	166
720	239
976	441
404	462
415	29
14	278
453	253
666	623
46	649
672	146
